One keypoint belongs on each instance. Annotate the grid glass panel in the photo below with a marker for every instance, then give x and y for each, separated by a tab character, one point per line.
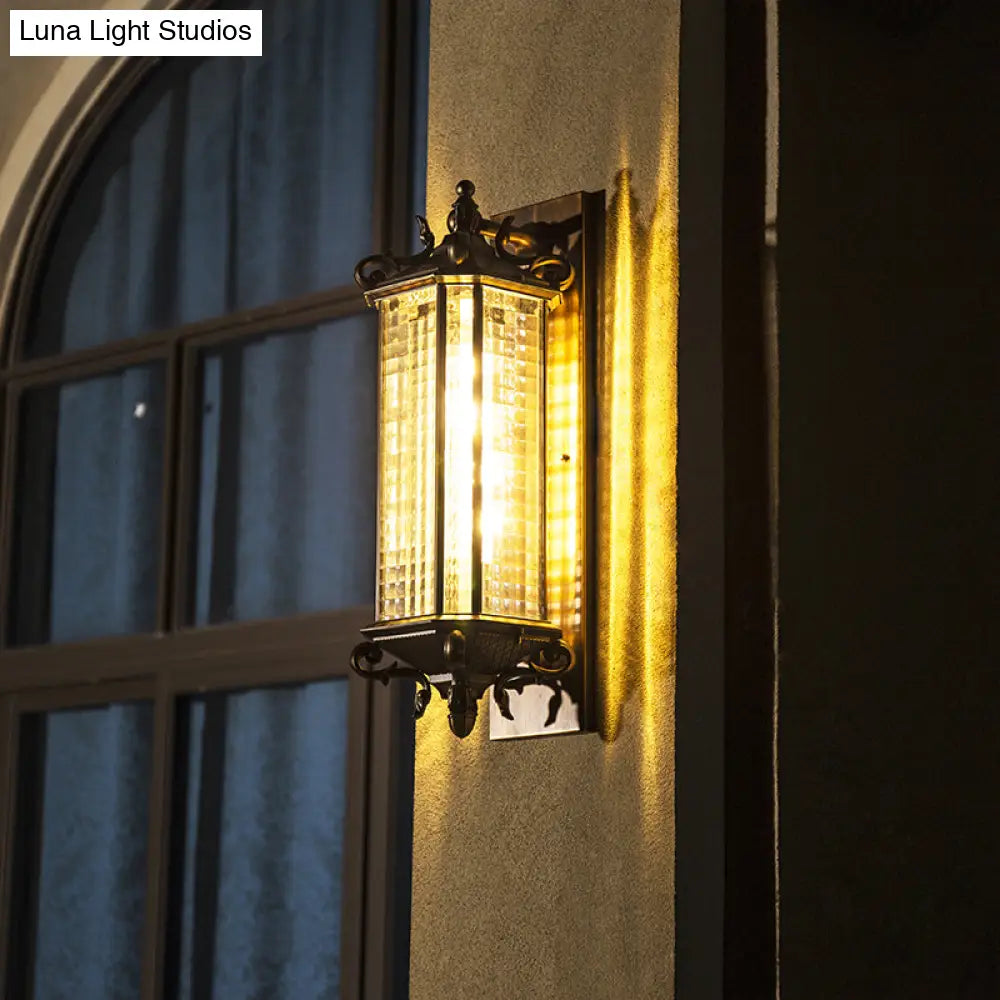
461	420
512	462
407	418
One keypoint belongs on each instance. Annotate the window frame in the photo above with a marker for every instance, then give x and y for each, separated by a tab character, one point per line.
177	659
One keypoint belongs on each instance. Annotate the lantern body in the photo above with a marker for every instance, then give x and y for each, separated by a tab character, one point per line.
461	589
461	523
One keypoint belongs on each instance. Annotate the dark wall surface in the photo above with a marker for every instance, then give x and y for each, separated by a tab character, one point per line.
889	743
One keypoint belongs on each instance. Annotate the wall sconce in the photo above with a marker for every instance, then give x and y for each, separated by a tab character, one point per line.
464	528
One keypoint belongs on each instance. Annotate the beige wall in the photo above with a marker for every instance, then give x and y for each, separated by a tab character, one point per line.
546	868
23	81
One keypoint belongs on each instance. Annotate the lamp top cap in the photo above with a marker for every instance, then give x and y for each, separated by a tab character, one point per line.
474	247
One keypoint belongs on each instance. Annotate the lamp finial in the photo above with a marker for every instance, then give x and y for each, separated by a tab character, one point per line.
464	216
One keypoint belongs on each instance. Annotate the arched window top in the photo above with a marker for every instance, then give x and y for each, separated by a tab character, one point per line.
192	368
222	185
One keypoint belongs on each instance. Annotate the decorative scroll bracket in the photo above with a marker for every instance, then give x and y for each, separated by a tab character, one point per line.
475	246
466	679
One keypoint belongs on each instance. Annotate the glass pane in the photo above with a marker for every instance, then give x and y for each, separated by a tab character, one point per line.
80	877
513	464
461	419
87	518
407	488
565	485
259	913
219	187
286	506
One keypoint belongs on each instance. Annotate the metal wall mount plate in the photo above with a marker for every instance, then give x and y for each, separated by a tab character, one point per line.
577	223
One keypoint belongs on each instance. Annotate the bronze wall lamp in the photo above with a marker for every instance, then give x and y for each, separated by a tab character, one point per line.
485	458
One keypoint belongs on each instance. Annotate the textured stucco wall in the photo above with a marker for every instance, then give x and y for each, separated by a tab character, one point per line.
890	694
545	868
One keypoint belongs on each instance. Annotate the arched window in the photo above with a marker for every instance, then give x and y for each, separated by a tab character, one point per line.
197	800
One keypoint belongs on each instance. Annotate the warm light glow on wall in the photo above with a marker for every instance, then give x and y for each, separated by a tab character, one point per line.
659	484
617	466
638	471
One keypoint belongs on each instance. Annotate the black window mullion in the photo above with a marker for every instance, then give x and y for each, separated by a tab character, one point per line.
357	839
400	126
225	515
174	401
184	475
318	645
209	846
91	362
24	859
8	791
158	852
381	186
389	842
12	557
175	825
337	304
8	443
385	825
302	311
31	564
391	224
